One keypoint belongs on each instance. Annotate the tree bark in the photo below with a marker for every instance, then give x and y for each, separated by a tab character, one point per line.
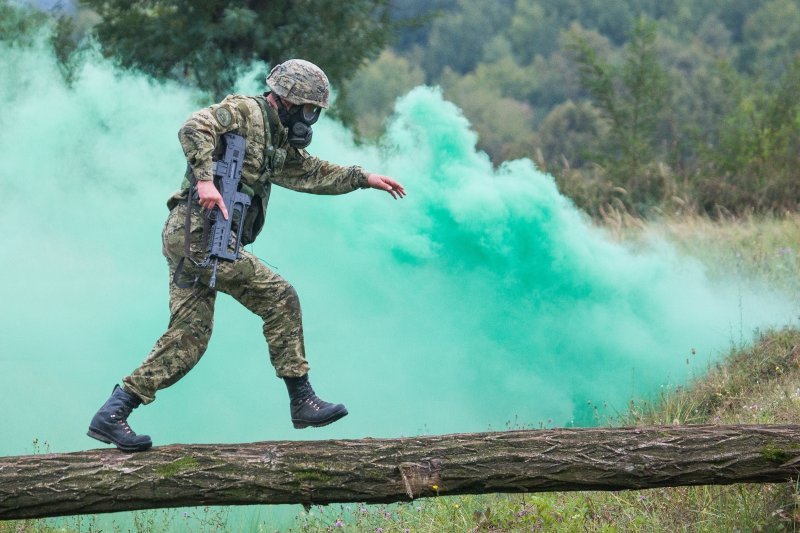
390	470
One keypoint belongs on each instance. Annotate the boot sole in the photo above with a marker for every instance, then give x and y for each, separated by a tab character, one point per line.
105	438
300	424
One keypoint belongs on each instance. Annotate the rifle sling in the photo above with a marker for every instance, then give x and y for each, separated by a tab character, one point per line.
188	235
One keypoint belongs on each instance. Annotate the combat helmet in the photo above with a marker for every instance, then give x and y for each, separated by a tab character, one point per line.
300	82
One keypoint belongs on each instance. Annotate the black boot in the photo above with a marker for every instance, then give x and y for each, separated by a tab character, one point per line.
110	424
307	409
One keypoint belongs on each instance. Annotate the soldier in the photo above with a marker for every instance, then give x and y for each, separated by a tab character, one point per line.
277	129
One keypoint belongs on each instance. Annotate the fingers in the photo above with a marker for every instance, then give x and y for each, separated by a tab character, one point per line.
392	187
388	188
385	183
222	208
399	189
209	201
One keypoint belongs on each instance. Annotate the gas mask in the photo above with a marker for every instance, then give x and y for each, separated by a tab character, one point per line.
298	120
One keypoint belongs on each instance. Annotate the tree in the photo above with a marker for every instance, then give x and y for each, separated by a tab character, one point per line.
504	125
633	99
772	35
458	37
390	470
533	30
19	25
207	42
758	155
371	94
569	134
414	19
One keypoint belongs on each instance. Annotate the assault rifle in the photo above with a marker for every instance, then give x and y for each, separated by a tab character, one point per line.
228	173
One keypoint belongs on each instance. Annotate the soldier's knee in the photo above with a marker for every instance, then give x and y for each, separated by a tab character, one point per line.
290	299
204	333
197	336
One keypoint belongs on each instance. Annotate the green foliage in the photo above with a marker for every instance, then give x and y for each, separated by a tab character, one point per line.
759	148
675	100
506	77
568	133
533	30
696	115
19	25
771	34
700	509
467	24
724	394
414	19
22	25
370	96
205	43
494	512
502	123
632	98
557	81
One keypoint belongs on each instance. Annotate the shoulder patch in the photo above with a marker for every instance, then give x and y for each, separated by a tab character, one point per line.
223	116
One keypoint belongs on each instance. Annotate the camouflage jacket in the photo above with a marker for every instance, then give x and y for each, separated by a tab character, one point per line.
268	157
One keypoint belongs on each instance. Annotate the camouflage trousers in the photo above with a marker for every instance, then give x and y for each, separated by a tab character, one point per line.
248	280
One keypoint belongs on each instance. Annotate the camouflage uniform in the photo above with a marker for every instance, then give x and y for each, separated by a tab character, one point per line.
268	159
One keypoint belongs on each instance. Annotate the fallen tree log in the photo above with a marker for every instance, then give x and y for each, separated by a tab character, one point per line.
390	470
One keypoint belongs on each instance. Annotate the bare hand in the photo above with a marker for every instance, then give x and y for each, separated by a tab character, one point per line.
210	197
385	183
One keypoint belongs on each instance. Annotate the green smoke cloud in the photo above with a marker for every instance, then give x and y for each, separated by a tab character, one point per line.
481	297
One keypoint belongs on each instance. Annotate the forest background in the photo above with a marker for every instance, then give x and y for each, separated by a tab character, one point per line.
647	107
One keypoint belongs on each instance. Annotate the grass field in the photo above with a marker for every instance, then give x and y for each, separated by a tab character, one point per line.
757	384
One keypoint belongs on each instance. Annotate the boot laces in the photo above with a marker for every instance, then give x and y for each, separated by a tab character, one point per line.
316	402
121	416
305	395
313	401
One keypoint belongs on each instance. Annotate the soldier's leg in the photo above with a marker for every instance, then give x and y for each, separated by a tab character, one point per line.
271	297
180	347
191	312
174	354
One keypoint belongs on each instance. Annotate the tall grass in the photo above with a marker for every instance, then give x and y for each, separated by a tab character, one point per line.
763	249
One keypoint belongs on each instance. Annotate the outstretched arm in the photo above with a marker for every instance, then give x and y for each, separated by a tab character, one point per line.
385	183
305	173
